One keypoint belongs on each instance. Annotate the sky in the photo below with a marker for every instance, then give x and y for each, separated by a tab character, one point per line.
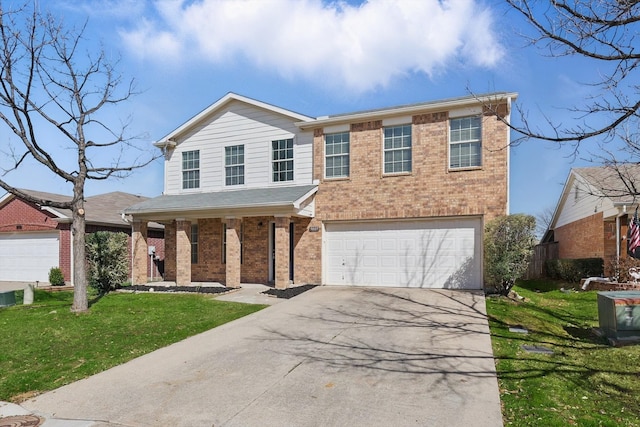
319	58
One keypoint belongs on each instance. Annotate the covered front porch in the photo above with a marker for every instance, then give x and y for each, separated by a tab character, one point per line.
230	237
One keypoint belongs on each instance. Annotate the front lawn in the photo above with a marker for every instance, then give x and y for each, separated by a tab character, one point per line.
44	346
584	383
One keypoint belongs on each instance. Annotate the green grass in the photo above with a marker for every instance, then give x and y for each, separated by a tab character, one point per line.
584	383
44	346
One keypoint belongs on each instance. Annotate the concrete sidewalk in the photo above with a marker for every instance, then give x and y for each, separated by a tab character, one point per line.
331	356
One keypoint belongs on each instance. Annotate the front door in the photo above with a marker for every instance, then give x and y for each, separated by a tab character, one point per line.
272	251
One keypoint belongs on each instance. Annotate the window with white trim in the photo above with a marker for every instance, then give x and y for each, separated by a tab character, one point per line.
191	169
194	243
465	142
234	165
282	160
336	152
397	149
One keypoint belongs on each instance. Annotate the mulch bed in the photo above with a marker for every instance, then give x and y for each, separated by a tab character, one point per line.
278	293
191	289
290	292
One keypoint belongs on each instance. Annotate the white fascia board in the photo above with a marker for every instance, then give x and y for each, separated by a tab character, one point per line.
297	203
55	212
222	102
447	104
6	198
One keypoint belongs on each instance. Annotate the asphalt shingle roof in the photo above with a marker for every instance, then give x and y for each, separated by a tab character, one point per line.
254	197
620	183
100	209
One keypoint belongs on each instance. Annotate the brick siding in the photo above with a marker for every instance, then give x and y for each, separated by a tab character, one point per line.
430	190
582	238
232	252
183	252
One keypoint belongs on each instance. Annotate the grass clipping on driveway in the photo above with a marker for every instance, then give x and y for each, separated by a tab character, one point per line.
585	382
45	345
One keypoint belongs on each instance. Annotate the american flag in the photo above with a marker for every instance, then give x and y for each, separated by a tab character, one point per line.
634	235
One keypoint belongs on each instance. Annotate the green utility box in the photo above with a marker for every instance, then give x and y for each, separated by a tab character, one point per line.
7	298
619	314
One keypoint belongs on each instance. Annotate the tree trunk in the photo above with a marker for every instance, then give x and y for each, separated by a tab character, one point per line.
80	300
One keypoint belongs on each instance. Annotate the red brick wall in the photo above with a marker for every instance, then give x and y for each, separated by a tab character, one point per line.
307	251
255	251
19	216
582	238
170	251
256	259
254	268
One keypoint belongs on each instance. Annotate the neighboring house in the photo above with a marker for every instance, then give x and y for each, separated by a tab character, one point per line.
590	220
391	197
34	238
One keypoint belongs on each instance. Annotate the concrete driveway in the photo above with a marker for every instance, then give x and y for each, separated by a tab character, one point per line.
329	357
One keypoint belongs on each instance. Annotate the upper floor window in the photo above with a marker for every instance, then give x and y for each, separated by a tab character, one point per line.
465	142
397	149
282	160
336	151
194	243
234	165
191	169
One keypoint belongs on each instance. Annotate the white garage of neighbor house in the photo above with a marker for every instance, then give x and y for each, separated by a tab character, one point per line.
27	257
426	253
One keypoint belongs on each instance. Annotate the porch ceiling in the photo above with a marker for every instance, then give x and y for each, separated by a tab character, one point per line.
293	200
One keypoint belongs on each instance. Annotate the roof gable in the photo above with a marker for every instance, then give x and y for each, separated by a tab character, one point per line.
221	104
599	188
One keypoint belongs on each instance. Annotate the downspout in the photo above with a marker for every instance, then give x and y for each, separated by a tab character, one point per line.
508	152
618	242
73	281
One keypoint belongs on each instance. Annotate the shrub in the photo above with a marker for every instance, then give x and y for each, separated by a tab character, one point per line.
56	278
618	269
107	258
572	270
508	246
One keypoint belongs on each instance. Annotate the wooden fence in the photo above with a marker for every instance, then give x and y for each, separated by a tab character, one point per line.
541	253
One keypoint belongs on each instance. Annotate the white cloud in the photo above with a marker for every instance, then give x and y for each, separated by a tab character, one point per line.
360	46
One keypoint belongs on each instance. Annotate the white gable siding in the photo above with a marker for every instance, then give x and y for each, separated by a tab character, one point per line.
574	207
240	124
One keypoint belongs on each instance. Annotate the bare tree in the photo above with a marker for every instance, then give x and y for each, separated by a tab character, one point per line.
543	221
55	94
607	34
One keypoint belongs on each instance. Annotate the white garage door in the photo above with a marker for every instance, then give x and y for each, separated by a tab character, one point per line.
27	257
425	254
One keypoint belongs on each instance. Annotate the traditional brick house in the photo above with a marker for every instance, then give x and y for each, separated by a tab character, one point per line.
391	197
591	217
34	238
